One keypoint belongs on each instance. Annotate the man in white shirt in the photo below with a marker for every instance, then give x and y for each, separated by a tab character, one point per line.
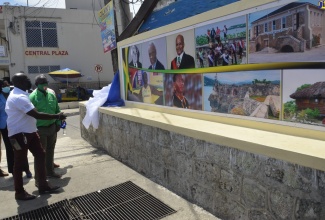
22	132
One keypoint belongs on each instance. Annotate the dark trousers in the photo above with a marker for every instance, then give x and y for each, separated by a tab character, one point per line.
10	152
48	136
33	144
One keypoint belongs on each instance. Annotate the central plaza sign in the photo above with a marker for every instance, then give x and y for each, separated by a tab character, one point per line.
46	53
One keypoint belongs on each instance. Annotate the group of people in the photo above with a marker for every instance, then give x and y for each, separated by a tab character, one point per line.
222	54
30	122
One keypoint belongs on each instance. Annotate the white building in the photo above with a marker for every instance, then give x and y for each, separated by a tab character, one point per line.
41	40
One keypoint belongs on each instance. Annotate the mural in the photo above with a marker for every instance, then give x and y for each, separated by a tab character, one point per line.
291	32
222	43
304	97
250	93
170	11
183	91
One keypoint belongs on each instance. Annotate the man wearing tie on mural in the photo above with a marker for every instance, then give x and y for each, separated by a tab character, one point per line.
182	60
155	64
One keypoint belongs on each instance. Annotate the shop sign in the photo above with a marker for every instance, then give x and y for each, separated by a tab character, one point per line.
46	53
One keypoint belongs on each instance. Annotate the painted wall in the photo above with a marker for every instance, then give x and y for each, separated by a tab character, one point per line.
78	35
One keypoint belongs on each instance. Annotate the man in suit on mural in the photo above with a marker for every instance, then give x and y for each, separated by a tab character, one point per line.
135	55
182	60
155	63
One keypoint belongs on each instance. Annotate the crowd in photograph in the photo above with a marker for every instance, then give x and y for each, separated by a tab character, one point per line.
220	51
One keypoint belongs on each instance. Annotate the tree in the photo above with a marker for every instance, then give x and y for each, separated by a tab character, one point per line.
304	86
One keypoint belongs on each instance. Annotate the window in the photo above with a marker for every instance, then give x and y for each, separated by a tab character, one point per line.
41	34
265	27
42	69
283	21
273	25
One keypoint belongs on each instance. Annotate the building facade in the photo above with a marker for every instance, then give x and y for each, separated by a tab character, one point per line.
41	40
294	27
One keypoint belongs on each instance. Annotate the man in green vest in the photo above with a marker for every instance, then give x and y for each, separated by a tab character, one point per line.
46	102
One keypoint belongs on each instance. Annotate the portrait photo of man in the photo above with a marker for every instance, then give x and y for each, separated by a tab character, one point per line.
182	60
155	64
134	57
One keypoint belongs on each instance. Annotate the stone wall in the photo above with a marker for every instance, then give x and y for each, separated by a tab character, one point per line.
230	183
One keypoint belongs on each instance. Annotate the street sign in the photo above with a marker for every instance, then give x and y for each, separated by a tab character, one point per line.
98	68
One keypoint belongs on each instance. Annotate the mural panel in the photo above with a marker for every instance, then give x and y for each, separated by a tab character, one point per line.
221	43
304	97
249	93
293	32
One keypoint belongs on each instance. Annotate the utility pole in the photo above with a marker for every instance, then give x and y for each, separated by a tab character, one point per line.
125	19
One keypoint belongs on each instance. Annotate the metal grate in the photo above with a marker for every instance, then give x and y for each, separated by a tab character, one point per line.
123	201
41	34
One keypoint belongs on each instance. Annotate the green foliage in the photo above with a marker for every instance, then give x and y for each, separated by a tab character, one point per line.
308	115
312	113
202	40
290	108
304	86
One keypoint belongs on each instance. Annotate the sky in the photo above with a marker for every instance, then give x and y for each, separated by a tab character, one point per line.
54	4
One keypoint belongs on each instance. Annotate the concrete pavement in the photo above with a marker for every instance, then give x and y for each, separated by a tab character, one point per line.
86	169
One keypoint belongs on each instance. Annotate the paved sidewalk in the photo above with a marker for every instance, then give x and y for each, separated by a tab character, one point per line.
86	169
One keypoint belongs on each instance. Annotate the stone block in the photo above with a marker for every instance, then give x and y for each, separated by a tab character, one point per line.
260	215
177	142
293	179
184	166
274	170
254	195
202	196
226	208
281	204
189	145
309	209
168	158
246	163
163	138
229	183
146	132
206	173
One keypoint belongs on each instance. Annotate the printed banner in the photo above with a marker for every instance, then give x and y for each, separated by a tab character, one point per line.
107	28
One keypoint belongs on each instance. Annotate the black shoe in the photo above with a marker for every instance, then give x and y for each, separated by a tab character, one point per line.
48	189
24	196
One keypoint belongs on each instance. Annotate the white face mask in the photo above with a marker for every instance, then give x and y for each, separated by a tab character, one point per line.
6	89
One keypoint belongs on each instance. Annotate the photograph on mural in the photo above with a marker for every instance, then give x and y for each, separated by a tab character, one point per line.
222	43
304	96
180	55
250	93
292	32
134	62
170	11
183	91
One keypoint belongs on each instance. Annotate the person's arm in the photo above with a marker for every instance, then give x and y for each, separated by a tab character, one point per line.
155	91
44	116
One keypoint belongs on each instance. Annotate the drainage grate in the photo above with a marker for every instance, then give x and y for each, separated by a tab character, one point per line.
123	201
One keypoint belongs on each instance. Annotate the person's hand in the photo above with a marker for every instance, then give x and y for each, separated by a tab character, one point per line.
61	116
58	128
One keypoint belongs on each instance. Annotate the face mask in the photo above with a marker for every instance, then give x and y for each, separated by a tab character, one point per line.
6	89
42	87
